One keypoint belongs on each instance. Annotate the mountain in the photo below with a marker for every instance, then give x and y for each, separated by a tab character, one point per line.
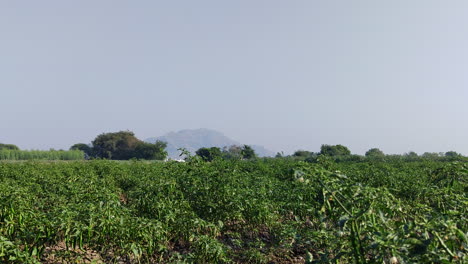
193	139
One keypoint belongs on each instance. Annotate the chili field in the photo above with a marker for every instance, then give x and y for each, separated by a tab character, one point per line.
234	211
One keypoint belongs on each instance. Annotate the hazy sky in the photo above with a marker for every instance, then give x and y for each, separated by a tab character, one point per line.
284	74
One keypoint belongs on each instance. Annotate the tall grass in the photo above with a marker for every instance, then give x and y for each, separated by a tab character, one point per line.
7	154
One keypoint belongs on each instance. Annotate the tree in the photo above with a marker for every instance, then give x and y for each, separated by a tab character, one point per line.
375	153
150	151
411	154
248	152
334	150
431	155
209	154
232	152
8	147
452	154
83	147
305	155
117	146
302	154
124	145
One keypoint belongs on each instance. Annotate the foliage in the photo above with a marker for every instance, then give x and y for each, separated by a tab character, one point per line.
248	152
83	147
124	145
279	154
6	154
334	150
209	154
118	146
8	147
375	153
411	156
302	153
432	155
305	155
148	151
452	154
234	211
232	152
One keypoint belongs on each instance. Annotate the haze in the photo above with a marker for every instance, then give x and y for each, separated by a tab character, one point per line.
284	74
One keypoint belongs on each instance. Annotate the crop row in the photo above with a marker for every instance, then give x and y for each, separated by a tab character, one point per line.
12	154
261	211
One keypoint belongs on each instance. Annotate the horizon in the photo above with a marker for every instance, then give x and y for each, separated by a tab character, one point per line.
240	143
286	76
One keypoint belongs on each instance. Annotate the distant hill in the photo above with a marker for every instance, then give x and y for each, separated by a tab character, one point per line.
193	139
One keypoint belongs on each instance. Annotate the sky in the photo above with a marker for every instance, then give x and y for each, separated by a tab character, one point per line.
287	75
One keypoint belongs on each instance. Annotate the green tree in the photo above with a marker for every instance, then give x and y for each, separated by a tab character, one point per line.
124	145
302	154
150	151
452	154
117	146
431	155
8	147
411	156
247	152
232	152
375	153
209	154
334	150
83	147
305	155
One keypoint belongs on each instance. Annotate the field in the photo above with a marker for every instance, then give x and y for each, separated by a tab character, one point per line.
261	211
16	154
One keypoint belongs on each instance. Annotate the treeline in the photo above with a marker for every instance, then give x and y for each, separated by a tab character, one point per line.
244	152
337	153
122	145
340	153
